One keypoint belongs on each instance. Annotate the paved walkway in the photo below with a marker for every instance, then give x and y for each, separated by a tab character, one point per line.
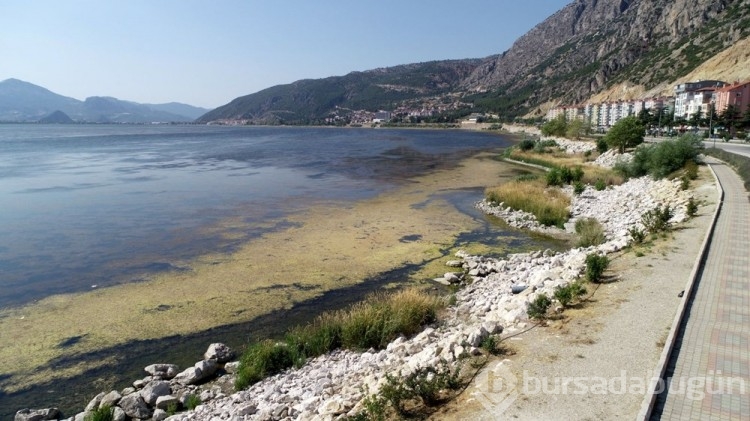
711	359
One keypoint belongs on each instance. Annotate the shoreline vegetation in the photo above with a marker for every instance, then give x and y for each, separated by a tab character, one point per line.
215	291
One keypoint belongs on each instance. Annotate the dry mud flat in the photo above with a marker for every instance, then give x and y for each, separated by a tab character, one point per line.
329	246
556	372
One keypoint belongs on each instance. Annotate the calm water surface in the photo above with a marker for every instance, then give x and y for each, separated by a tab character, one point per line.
99	205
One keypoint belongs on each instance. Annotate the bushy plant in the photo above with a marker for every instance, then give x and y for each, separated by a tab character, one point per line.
692	207
192	402
663	158
595	266
691	170
600	185
526	144
102	413
264	359
626	133
425	385
554	177
590	232
578	188
657	219
637	234
601	145
568	293
537	309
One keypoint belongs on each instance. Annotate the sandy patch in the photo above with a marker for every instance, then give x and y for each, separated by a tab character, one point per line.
330	245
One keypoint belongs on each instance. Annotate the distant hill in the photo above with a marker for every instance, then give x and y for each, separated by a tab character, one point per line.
610	48
311	100
58	117
25	102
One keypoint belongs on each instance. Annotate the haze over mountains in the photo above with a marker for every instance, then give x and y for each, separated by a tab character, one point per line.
25	102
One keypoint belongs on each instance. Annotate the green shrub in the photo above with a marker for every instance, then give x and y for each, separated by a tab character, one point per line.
538	308
691	170
526	144
601	145
684	182
637	234
578	188
554	177
595	266
567	294
264	359
663	158
192	402
657	219
103	413
590	232
692	207
425	385
600	185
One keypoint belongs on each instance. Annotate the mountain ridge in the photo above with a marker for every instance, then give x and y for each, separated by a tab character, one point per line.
587	47
22	101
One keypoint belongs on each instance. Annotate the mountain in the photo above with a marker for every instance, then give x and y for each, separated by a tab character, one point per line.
58	117
311	100
590	47
593	45
25	102
177	108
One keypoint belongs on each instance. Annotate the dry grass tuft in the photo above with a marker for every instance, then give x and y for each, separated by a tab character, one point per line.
549	205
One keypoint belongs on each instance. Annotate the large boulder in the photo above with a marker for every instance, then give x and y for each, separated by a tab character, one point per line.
165	371
135	407
153	390
27	414
201	371
110	399
219	352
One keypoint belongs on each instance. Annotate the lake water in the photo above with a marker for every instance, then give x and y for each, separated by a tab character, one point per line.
97	205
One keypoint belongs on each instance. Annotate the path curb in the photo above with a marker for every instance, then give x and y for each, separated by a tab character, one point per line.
661	367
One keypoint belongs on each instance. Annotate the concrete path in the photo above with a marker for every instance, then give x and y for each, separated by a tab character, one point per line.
710	365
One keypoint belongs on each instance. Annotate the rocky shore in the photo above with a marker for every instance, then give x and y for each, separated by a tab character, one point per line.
493	300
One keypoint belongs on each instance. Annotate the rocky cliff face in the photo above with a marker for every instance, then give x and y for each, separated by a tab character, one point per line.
591	44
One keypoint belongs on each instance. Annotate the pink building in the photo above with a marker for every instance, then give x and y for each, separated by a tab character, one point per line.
737	94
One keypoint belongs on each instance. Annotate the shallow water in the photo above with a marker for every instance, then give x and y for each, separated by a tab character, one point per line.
91	205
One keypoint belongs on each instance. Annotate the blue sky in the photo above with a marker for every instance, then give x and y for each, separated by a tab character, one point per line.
206	53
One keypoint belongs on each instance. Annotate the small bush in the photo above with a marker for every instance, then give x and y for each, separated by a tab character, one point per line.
595	266
538	308
684	183
692	207
192	402
376	408
578	188
567	294
657	219
426	385
103	413
590	232
663	158
600	185
554	177
601	145
264	359
637	234
526	144
691	170
489	344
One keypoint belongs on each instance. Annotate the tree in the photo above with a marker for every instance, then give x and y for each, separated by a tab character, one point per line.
626	133
645	117
555	127
577	128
